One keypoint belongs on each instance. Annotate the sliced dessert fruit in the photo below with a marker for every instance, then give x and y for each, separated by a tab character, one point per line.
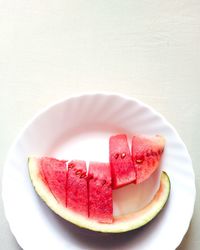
100	192
146	154
121	163
77	188
120	223
54	173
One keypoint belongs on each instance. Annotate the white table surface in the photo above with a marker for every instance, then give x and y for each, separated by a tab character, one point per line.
146	49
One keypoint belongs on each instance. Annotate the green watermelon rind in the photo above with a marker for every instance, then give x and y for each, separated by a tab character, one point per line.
121	224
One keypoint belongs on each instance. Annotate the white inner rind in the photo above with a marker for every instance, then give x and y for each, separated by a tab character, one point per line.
121	223
132	198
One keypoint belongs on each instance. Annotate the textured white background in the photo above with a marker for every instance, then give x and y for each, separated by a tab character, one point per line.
146	49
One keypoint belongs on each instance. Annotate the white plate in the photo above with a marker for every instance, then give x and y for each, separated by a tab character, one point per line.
93	116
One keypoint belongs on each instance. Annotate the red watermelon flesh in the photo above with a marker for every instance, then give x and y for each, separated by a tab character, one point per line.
121	163
77	189
100	192
54	174
146	153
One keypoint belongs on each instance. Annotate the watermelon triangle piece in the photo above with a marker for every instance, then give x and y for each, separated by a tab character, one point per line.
122	223
121	163
54	175
100	192
146	154
77	188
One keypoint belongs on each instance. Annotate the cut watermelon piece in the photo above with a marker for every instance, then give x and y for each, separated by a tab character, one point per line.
146	153
54	174
121	163
77	190
100	192
120	224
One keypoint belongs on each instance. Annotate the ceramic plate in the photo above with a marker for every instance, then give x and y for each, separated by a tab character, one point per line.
78	127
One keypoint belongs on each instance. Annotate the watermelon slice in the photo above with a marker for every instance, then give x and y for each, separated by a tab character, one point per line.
100	192
77	190
121	163
54	174
146	153
120	224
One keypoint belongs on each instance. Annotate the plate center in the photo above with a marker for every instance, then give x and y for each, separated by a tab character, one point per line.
92	144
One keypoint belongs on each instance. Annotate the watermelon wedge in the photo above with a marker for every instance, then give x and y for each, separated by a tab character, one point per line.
120	224
77	188
146	153
54	173
121	163
100	192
